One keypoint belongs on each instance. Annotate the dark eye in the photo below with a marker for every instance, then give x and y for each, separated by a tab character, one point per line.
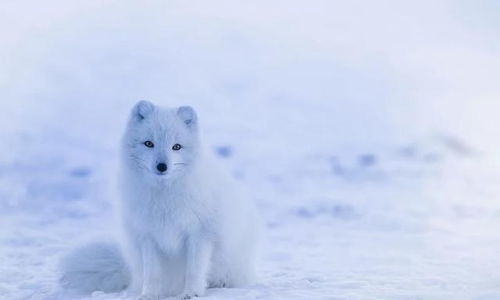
176	147
149	144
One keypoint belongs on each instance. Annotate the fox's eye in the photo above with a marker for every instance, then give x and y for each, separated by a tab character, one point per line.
149	144
176	147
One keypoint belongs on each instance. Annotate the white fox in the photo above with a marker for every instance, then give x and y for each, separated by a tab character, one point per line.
185	226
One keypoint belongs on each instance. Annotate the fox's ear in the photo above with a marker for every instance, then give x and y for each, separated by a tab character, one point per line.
142	110
188	116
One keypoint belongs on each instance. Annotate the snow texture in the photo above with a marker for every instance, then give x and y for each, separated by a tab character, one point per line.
365	131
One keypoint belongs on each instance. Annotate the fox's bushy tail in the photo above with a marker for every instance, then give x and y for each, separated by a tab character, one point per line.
98	266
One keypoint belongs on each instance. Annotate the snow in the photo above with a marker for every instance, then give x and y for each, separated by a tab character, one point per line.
365	132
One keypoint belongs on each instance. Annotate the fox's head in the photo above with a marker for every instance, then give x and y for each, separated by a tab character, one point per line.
159	142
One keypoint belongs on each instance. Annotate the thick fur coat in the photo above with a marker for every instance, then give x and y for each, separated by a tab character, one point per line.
186	226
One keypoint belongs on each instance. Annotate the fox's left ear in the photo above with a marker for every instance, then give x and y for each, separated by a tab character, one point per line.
142	110
188	116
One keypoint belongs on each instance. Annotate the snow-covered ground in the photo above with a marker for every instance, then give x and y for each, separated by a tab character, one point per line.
366	132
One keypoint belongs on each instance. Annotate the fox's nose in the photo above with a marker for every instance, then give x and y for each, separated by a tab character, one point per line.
162	167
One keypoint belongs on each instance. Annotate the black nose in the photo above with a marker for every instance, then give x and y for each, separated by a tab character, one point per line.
161	167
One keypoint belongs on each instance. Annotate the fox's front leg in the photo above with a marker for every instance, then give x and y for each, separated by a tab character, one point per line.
152	273
199	250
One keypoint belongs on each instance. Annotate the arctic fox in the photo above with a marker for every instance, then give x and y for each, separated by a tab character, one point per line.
185	226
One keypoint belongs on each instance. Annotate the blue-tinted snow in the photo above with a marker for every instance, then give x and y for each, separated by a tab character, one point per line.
366	131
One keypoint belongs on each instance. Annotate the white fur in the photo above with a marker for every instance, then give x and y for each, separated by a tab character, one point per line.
186	229
95	266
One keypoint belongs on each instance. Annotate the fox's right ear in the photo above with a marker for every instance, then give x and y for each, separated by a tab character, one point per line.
142	110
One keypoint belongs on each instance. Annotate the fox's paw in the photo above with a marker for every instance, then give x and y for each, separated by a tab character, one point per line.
188	295
218	284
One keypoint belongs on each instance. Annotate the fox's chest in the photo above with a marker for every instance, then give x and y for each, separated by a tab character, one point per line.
170	230
170	218
170	239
